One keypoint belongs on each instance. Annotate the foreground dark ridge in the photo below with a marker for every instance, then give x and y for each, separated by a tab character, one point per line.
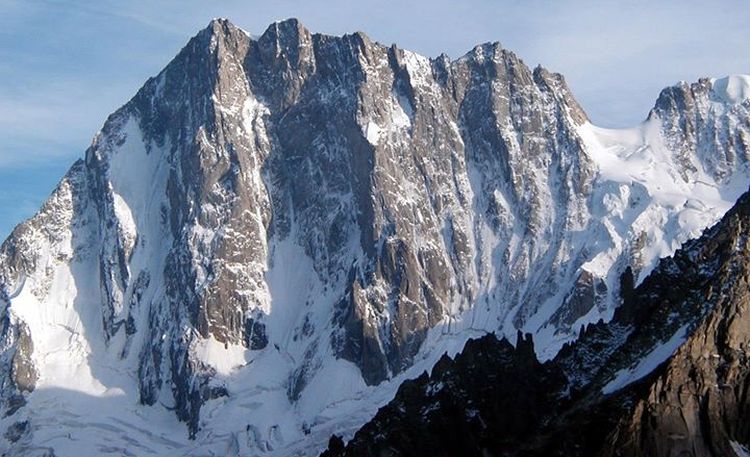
668	376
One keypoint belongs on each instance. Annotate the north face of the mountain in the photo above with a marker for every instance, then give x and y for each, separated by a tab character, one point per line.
276	230
668	376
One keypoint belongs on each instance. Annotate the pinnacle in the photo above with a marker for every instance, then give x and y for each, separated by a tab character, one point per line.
291	28
221	26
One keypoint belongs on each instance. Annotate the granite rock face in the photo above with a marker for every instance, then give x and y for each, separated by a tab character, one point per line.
321	206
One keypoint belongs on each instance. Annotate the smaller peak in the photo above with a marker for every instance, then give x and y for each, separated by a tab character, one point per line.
363	36
733	89
491	50
219	21
363	40
286	34
556	83
285	28
487	47
290	22
542	71
220	26
729	90
493	45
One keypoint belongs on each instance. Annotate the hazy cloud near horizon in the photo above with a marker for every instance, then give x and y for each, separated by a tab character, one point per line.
65	65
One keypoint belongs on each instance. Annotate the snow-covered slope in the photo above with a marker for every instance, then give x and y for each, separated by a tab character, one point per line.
275	231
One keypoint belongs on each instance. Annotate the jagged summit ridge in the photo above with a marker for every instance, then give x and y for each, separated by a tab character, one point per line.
275	230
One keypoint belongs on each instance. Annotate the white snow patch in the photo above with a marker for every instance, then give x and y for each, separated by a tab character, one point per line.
223	357
123	213
337	380
372	133
402	112
126	220
291	280
742	450
732	89
61	345
253	113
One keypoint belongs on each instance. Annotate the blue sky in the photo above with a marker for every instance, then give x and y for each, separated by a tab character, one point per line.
65	65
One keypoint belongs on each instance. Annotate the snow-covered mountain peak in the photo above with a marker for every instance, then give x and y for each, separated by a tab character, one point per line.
273	232
733	89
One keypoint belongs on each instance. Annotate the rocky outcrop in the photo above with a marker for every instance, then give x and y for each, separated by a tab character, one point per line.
491	396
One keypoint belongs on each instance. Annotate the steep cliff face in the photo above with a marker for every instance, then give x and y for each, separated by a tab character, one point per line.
270	214
667	376
698	404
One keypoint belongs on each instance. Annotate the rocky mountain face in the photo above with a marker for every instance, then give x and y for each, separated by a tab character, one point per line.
276	230
668	376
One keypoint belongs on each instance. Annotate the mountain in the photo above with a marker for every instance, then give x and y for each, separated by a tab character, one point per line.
275	232
668	375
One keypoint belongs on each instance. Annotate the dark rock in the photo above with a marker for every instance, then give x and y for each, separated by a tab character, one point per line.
23	372
255	334
16	431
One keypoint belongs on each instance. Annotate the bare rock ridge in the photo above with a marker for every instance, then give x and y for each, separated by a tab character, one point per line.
275	231
667	376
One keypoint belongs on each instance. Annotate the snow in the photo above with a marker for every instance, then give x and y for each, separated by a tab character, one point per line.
741	450
126	222
337	380
223	358
253	115
398	118
641	190
292	282
648	363
59	334
89	391
733	89
124	215
402	112
372	133
85	401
